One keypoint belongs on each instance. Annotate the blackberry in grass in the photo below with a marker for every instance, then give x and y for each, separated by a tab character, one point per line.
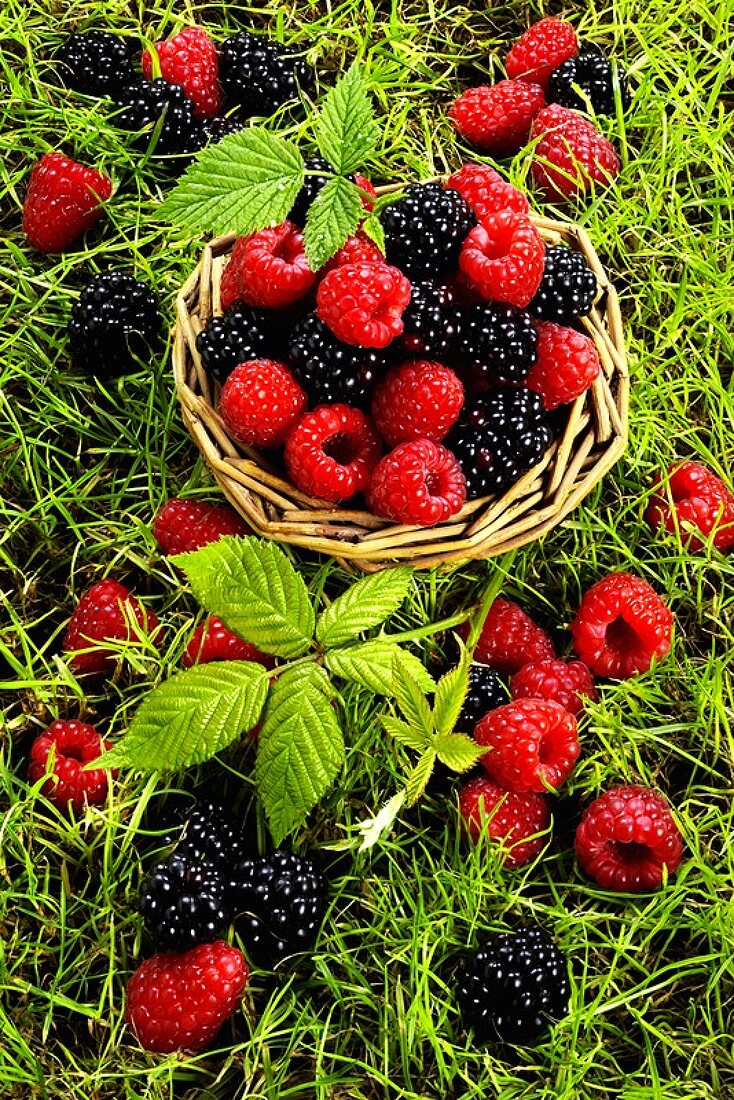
258	76
211	836
183	903
145	104
114	325
214	129
424	230
486	692
329	370
588	81
568	288
95	63
431	322
498	343
243	333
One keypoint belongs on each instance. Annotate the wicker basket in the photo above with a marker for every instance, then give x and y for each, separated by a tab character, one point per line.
594	438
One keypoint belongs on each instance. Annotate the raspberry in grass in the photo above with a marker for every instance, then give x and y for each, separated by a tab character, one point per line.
106	612
363	303
567	683
64	199
541	49
503	257
189	59
570	155
183	525
73	745
261	402
331	452
515	821
496	118
510	639
621	626
418	483
699	506
213	641
567	364
417	400
533	745
267	269
486	191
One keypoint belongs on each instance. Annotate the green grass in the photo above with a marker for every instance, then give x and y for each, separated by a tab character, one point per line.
83	466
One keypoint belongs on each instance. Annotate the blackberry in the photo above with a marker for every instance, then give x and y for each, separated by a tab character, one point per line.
280	901
486	692
257	76
595	77
214	129
499	439
210	836
568	288
424	230
498	343
143	105
183	903
514	987
431	322
311	187
329	370
243	333
114	325
95	63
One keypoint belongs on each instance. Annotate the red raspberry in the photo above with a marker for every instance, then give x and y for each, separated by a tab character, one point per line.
621	625
190	59
363	303
105	613
570	155
514	820
417	400
700	501
503	258
213	641
567	684
370	195
179	1001
510	639
62	202
566	365
74	745
486	191
332	452
418	483
267	269
260	403
358	249
184	525
540	50
496	118
533	745
626	838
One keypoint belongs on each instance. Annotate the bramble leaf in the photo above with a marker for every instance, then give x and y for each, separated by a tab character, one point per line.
346	130
365	604
458	751
333	216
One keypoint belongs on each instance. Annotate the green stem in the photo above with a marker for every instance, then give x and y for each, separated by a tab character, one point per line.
432	628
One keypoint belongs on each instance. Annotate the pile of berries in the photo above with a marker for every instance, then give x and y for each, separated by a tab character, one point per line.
553	84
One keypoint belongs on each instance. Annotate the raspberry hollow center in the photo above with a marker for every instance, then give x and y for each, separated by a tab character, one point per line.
341	447
629	852
621	636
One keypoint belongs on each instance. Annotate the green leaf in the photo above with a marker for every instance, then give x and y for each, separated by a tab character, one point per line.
374	827
406	735
254	588
372	228
346	130
192	716
372	664
365	604
458	751
450	695
245	182
333	216
300	748
419	776
410	698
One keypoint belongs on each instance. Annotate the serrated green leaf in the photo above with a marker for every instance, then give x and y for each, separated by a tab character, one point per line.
372	664
300	748
332	217
419	776
245	182
192	716
410	698
255	590
365	604
374	827
405	735
372	227
346	130
450	695
458	751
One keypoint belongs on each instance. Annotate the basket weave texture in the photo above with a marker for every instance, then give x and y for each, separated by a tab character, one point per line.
594	438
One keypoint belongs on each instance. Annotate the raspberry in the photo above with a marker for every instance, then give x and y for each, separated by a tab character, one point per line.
179	1001
431	321
568	684
189	59
418	483
158	107
183	903
496	118
105	613
570	154
267	269
514	820
567	364
363	303
424	230
184	525
260	403
621	626
213	641
540	50
243	333
510	639
498	344
331	452
258	76
62	202
115	325
486	191
314	184
503	258
568	287
594	77
486	691
627	838
358	249
417	400
534	745
74	745
95	63
514	987
330	371
701	502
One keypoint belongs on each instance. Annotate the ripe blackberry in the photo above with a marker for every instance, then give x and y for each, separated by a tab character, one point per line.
498	342
431	322
144	104
281	902
424	230
260	78
329	370
183	903
211	836
499	439
486	692
114	324
243	333
514	987
95	63
589	81
568	288
214	129
311	187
